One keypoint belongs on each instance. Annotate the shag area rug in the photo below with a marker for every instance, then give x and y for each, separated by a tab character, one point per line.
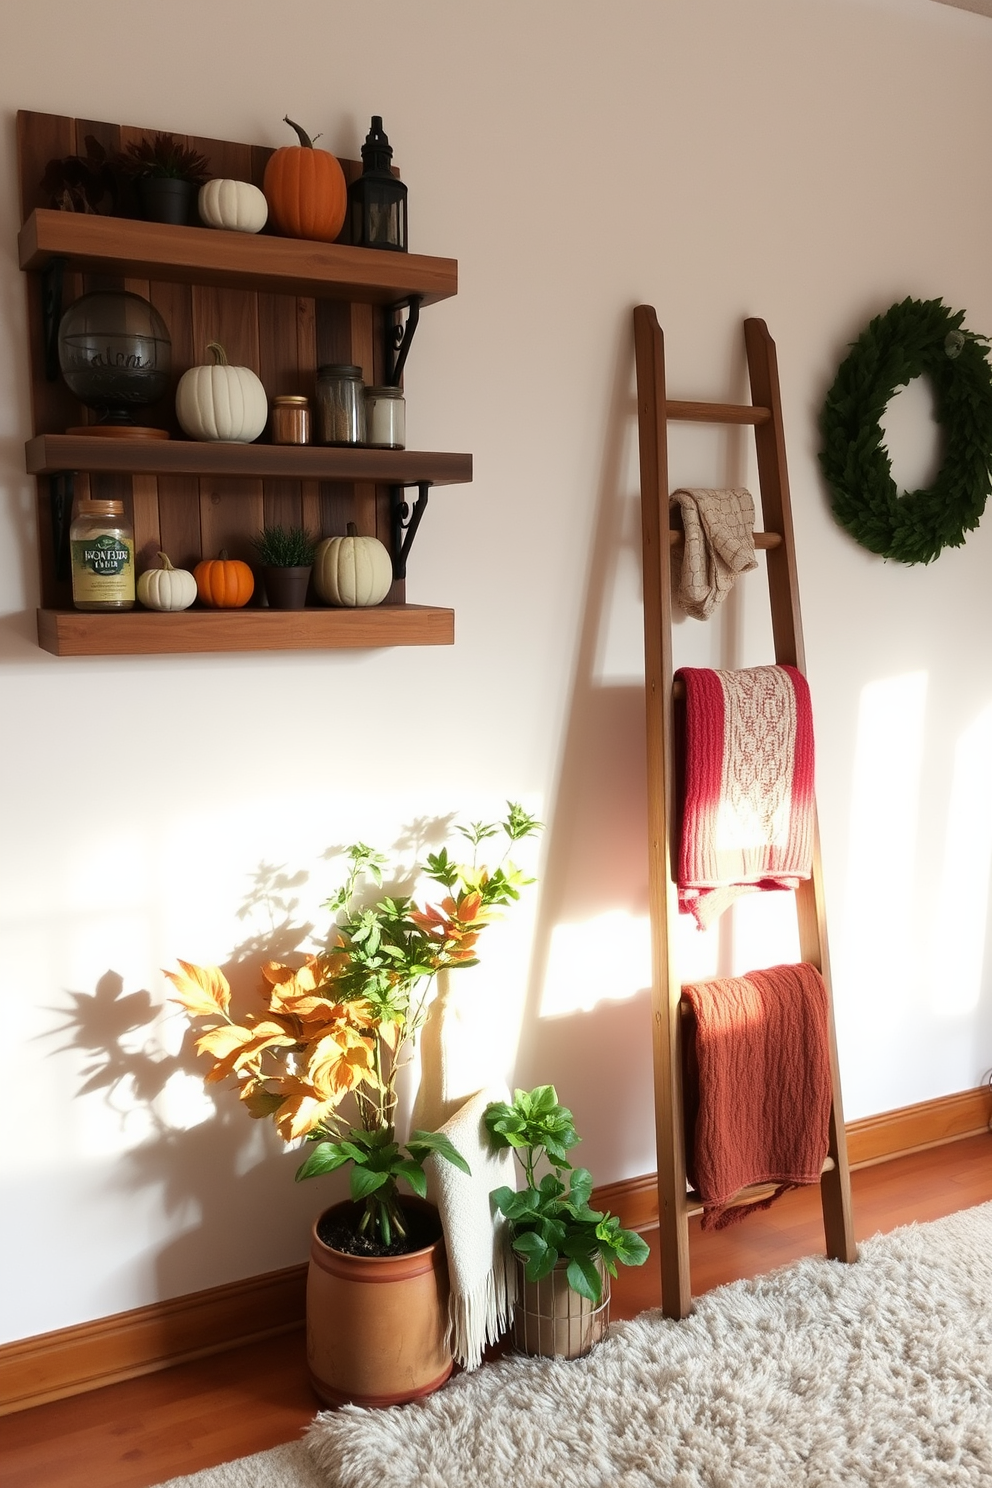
821	1375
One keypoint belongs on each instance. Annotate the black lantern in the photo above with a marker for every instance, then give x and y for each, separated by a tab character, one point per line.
377	199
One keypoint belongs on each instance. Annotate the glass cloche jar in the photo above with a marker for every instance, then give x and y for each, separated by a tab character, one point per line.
116	356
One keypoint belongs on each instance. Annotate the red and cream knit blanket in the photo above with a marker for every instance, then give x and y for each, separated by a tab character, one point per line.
746	786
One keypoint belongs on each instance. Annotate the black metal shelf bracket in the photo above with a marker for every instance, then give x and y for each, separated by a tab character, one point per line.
398	338
406	520
52	276
60	493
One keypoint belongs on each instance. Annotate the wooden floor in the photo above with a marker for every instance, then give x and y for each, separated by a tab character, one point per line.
196	1415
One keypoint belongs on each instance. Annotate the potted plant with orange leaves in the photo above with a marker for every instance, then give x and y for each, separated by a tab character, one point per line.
322	1060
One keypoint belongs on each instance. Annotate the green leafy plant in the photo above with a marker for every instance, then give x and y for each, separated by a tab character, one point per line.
285	547
163	156
323	1058
549	1219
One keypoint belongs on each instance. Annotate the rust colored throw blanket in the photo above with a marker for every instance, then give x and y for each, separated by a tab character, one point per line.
757	1089
745	786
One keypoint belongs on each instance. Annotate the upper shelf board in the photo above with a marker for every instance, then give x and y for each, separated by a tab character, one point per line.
204	255
48	454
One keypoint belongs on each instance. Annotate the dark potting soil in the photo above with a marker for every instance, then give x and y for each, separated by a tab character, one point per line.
421	1230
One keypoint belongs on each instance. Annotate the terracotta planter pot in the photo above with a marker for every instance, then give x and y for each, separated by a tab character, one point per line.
376	1326
552	1321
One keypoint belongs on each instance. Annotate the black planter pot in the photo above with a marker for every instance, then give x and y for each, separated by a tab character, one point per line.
164	199
286	588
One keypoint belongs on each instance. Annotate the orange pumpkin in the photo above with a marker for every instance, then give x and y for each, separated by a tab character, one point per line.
306	191
224	583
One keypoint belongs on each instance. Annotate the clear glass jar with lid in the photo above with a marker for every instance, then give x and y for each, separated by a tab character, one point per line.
340	404
385	418
101	545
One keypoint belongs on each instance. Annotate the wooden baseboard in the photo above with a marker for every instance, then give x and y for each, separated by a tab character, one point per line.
71	1360
51	1366
873	1139
876	1139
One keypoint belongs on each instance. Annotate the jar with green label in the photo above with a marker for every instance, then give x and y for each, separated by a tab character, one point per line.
102	546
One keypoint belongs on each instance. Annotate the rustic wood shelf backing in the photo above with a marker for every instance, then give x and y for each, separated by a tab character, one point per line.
281	306
147	633
48	454
204	255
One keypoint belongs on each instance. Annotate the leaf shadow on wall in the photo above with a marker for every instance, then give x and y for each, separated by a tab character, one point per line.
595	879
224	1181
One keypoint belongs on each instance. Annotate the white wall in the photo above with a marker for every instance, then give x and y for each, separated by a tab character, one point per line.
810	163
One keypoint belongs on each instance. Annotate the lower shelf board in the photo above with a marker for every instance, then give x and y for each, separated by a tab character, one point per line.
154	633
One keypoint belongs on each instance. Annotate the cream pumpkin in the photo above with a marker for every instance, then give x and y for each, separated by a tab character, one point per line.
166	588
237	206
352	571
221	402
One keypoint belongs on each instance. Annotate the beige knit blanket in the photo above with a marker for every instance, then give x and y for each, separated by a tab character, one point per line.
719	544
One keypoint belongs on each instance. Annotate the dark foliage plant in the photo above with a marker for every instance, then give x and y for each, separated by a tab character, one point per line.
164	157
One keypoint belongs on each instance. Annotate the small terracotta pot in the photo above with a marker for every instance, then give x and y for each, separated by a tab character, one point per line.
552	1321
377	1325
286	588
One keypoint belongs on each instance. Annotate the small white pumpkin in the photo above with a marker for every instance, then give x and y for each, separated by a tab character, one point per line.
166	588
353	571
236	206
221	402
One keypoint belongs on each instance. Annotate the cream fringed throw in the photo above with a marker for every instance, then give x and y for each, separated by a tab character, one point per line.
719	544
480	1272
455	1061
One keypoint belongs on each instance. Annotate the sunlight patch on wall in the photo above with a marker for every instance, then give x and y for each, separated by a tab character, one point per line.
608	958
958	945
184	1102
605	959
766	931
881	964
108	867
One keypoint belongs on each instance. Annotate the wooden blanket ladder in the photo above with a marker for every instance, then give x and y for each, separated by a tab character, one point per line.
773	514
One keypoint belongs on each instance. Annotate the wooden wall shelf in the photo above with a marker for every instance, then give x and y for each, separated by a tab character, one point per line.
48	454
147	633
281	306
258	261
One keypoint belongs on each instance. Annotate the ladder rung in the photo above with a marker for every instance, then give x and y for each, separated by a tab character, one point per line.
761	539
716	413
747	1195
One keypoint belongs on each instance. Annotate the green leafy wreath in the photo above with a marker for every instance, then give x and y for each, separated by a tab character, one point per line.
913	338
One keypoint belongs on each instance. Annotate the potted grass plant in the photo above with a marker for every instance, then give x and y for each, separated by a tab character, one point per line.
286	555
322	1060
566	1251
167	176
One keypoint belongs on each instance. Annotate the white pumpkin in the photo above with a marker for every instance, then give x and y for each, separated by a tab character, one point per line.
166	588
236	206
353	571
221	402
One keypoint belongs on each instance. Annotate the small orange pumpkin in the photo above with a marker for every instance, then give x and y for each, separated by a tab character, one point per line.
224	583
306	191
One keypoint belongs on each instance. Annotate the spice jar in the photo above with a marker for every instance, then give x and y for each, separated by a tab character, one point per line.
340	404
385	417
101	544
290	419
